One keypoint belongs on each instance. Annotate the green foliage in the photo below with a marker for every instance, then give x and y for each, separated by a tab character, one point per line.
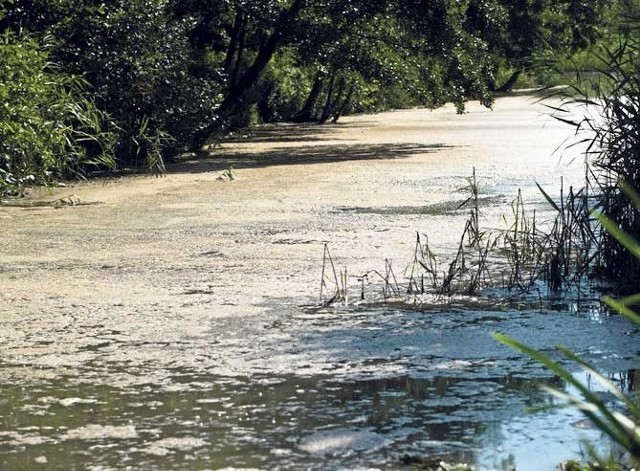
48	128
173	74
620	422
283	88
621	427
609	96
138	59
520	34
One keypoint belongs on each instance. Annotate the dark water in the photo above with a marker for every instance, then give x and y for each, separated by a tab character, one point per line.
358	388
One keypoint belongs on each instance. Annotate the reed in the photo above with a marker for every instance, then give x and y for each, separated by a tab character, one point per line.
609	126
571	251
609	249
621	423
524	256
333	284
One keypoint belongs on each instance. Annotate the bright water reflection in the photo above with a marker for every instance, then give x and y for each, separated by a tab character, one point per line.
349	395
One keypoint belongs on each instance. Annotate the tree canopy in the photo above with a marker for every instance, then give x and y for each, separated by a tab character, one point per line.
170	75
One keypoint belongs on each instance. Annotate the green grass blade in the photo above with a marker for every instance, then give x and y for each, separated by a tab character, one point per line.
548	198
625	239
536	355
604	382
564	374
613	428
622	309
630	300
630	193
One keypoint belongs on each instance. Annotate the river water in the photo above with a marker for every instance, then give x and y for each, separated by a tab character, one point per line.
181	328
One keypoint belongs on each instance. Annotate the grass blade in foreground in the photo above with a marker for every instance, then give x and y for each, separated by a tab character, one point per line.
617	426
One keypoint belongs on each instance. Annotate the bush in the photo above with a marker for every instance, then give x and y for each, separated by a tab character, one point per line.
610	98
48	128
138	58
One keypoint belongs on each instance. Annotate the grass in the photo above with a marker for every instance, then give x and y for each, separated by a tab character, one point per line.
621	426
528	255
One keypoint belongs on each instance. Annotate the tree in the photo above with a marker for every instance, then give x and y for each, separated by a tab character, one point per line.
517	30
138	61
173	73
347	44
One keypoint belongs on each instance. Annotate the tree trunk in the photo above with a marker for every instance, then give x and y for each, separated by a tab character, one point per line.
328	104
236	33
236	69
266	52
508	85
335	103
340	110
238	92
307	113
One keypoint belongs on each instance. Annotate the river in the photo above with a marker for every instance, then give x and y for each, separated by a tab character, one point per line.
175	322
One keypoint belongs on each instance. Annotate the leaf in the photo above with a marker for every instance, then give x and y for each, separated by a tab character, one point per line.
461	205
567	121
630	193
548	198
622	308
608	385
621	236
590	404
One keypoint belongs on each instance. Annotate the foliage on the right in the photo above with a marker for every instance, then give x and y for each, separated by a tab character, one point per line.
614	150
621	421
609	95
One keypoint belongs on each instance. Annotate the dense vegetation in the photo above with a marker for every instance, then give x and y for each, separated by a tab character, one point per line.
91	84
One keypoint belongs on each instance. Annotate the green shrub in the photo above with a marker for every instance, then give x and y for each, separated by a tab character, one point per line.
137	57
48	128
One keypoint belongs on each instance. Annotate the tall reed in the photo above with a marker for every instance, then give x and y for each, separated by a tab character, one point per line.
621	426
610	127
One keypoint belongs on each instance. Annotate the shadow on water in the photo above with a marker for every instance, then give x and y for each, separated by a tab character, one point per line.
288	422
304	155
295	132
199	421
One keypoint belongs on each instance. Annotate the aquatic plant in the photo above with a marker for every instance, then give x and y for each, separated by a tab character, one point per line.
524	256
570	252
623	427
610	101
615	145
332	282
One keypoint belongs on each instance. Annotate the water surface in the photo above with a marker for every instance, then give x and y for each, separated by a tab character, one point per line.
178	326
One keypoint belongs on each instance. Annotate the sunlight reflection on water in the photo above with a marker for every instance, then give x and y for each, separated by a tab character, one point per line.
350	395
